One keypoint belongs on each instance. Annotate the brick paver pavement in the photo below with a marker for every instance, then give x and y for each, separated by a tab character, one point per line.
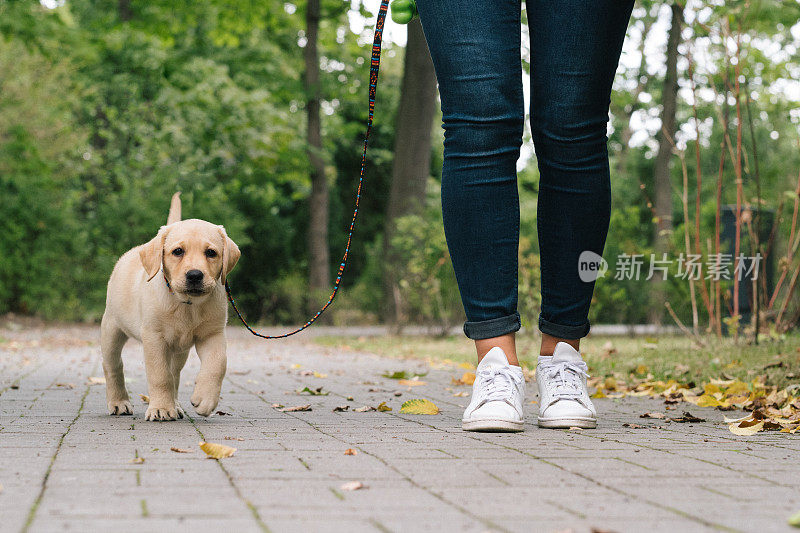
67	466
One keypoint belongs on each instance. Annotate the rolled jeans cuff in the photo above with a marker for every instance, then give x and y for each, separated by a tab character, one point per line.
563	332
487	329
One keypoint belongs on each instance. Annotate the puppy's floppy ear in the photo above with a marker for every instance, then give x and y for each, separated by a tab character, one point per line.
230	255
152	253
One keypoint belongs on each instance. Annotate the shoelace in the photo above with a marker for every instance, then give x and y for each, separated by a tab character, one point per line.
564	378
498	383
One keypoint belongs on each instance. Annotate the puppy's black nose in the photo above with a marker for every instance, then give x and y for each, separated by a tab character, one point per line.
194	276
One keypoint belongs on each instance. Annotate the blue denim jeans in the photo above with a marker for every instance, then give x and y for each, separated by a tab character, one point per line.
575	49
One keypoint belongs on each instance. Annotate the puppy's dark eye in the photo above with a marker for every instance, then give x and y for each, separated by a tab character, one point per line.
177	252
211	253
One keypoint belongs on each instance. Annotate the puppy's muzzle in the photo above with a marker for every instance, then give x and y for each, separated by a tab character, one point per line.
194	282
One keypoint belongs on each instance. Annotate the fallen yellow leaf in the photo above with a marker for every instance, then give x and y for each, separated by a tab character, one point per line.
419	407
746	431
411	382
707	400
217	451
180	450
794	520
145	398
468	378
382	407
350	451
735	420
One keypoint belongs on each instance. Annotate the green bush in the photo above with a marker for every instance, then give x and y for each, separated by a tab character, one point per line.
427	286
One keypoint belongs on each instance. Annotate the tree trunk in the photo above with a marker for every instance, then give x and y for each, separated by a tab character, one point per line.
318	255
412	154
625	115
661	175
124	9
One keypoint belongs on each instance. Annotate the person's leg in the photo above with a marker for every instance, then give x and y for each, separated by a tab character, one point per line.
475	47
575	49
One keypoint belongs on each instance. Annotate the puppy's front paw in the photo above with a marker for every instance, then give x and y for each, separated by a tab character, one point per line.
120	407
158	413
204	402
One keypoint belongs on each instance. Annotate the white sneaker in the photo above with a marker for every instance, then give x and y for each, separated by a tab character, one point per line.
497	395
563	399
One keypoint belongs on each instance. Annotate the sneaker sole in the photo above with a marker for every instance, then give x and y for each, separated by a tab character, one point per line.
583	422
502	426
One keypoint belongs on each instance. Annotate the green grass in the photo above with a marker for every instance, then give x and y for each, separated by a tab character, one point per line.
664	356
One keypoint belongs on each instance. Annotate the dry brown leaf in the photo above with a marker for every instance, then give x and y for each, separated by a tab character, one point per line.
296	408
145	398
277	406
217	451
687	417
181	450
353	485
364	409
341	408
94	380
652	415
461	394
350	451
137	460
66	385
240	439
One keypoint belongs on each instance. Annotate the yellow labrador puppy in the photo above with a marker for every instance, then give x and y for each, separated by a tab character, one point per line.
170	295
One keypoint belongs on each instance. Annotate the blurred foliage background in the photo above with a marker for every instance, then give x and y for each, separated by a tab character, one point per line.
109	106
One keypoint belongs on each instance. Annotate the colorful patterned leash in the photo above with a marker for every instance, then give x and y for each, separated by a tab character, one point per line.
373	84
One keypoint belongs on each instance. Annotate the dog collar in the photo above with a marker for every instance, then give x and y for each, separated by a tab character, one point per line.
169	287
